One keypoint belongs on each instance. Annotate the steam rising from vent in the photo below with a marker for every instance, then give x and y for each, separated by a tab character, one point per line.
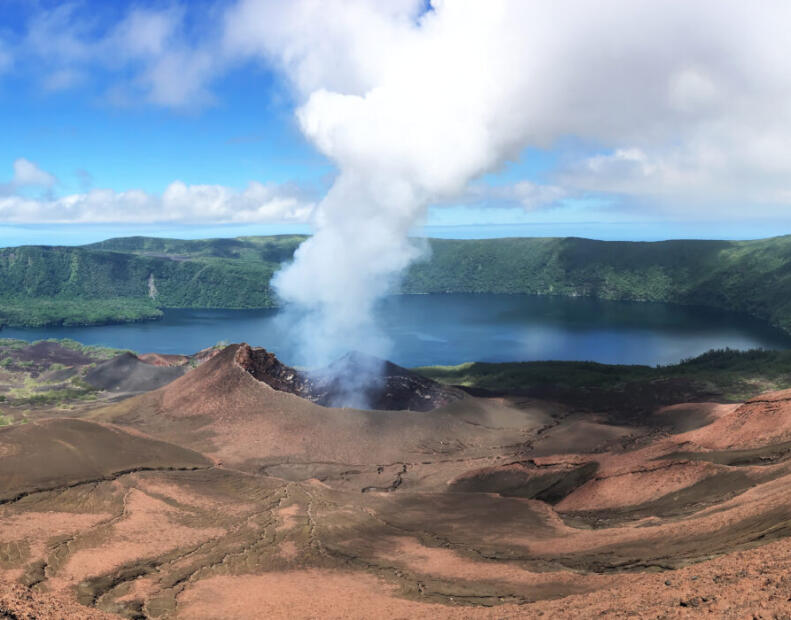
355	257
438	111
411	105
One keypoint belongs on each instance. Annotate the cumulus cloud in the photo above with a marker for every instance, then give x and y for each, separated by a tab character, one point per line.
179	203
737	172
209	204
147	55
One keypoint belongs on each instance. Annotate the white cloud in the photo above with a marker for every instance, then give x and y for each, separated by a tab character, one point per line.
147	55
339	45
146	33
623	75
177	79
179	203
729	171
699	88
28	174
526	194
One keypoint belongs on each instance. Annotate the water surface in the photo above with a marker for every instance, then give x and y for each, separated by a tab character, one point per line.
451	329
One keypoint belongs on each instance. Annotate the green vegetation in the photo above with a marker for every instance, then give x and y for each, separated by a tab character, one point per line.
51	397
748	276
727	374
131	279
34	391
31	377
134	278
37	311
97	352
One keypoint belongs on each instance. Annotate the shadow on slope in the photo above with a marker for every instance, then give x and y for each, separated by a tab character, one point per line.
59	453
127	373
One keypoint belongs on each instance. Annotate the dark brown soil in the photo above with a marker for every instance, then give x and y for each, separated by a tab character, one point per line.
64	452
126	373
548	483
48	353
38	357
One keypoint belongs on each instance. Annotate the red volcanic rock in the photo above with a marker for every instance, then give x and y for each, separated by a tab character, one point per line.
204	355
355	380
265	367
221	409
765	419
20	603
166	359
163	359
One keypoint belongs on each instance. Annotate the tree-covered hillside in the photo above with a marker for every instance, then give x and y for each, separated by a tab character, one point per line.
132	278
747	276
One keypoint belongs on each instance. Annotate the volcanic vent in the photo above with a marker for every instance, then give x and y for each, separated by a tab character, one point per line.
377	383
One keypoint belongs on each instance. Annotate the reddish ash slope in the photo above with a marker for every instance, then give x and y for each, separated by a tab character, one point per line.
20	603
165	359
759	421
498	507
232	408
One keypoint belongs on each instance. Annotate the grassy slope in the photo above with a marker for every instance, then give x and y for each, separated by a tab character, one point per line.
26	380
110	280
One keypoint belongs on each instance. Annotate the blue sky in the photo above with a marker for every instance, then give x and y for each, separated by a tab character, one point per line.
92	98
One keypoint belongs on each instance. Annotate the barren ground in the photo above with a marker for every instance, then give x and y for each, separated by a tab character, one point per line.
217	496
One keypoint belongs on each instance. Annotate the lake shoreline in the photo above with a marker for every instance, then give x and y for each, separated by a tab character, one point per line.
153	318
474	327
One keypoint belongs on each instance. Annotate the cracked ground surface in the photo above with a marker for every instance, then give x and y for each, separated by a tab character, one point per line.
219	497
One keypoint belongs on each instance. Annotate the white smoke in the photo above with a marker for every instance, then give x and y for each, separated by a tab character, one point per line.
438	114
411	106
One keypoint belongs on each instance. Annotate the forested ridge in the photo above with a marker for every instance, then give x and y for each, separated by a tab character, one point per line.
134	278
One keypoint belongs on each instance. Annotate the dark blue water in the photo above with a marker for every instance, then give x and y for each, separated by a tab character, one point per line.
451	329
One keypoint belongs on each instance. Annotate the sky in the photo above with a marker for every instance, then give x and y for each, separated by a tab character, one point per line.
613	120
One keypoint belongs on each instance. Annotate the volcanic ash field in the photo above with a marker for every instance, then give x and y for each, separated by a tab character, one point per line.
219	485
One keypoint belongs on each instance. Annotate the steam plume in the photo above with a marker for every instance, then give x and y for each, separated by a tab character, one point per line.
438	115
411	105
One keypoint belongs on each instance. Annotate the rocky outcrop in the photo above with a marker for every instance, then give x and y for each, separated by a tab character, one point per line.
355	380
